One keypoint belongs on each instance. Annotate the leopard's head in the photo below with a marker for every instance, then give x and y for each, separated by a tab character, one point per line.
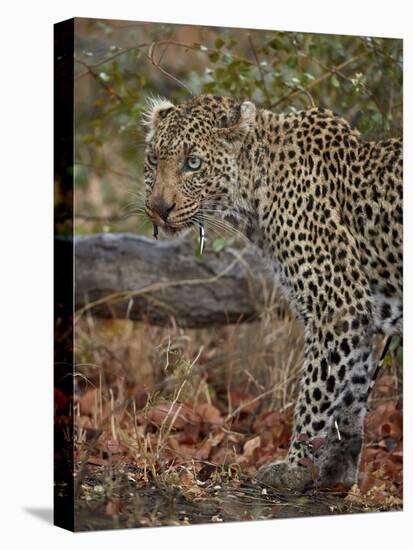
192	151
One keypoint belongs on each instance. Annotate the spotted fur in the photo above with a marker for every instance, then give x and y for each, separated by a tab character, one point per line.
325	207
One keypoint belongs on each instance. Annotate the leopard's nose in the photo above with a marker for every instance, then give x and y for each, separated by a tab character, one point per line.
162	208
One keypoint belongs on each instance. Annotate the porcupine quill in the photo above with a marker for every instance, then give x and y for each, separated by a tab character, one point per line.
202	238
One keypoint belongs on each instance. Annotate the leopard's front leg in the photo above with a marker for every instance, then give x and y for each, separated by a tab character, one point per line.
329	415
328	425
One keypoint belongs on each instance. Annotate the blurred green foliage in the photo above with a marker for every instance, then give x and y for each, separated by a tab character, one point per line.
119	63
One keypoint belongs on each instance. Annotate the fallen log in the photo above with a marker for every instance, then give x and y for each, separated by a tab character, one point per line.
162	282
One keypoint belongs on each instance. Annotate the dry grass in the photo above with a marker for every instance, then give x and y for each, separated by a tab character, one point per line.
120	359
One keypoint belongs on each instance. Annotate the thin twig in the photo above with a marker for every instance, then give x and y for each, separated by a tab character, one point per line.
297	91
111	91
186	46
258	398
110	58
337	71
262	74
156	64
105	169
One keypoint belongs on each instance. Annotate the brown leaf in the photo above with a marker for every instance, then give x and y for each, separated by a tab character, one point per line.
183	451
210	414
243	400
88	402
385	421
270	454
385	430
202	453
175	414
275	426
189	484
251	445
216	439
190	434
223	456
97	461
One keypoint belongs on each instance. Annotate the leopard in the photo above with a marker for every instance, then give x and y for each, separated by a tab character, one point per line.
324	207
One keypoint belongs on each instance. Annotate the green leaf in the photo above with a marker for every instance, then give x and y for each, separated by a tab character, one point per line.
219	43
220	73
309	76
220	244
213	56
395	343
292	61
335	81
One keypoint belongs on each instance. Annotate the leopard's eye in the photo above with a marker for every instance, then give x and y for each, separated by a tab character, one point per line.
153	160
193	163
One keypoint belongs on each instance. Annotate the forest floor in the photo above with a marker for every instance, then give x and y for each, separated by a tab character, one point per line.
171	426
220	498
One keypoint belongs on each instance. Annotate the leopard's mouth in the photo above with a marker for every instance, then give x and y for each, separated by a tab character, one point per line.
171	227
175	221
172	230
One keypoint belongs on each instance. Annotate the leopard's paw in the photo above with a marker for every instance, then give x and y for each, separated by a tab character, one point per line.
284	475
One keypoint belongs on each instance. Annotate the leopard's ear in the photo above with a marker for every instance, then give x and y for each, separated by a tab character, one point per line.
156	110
236	133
